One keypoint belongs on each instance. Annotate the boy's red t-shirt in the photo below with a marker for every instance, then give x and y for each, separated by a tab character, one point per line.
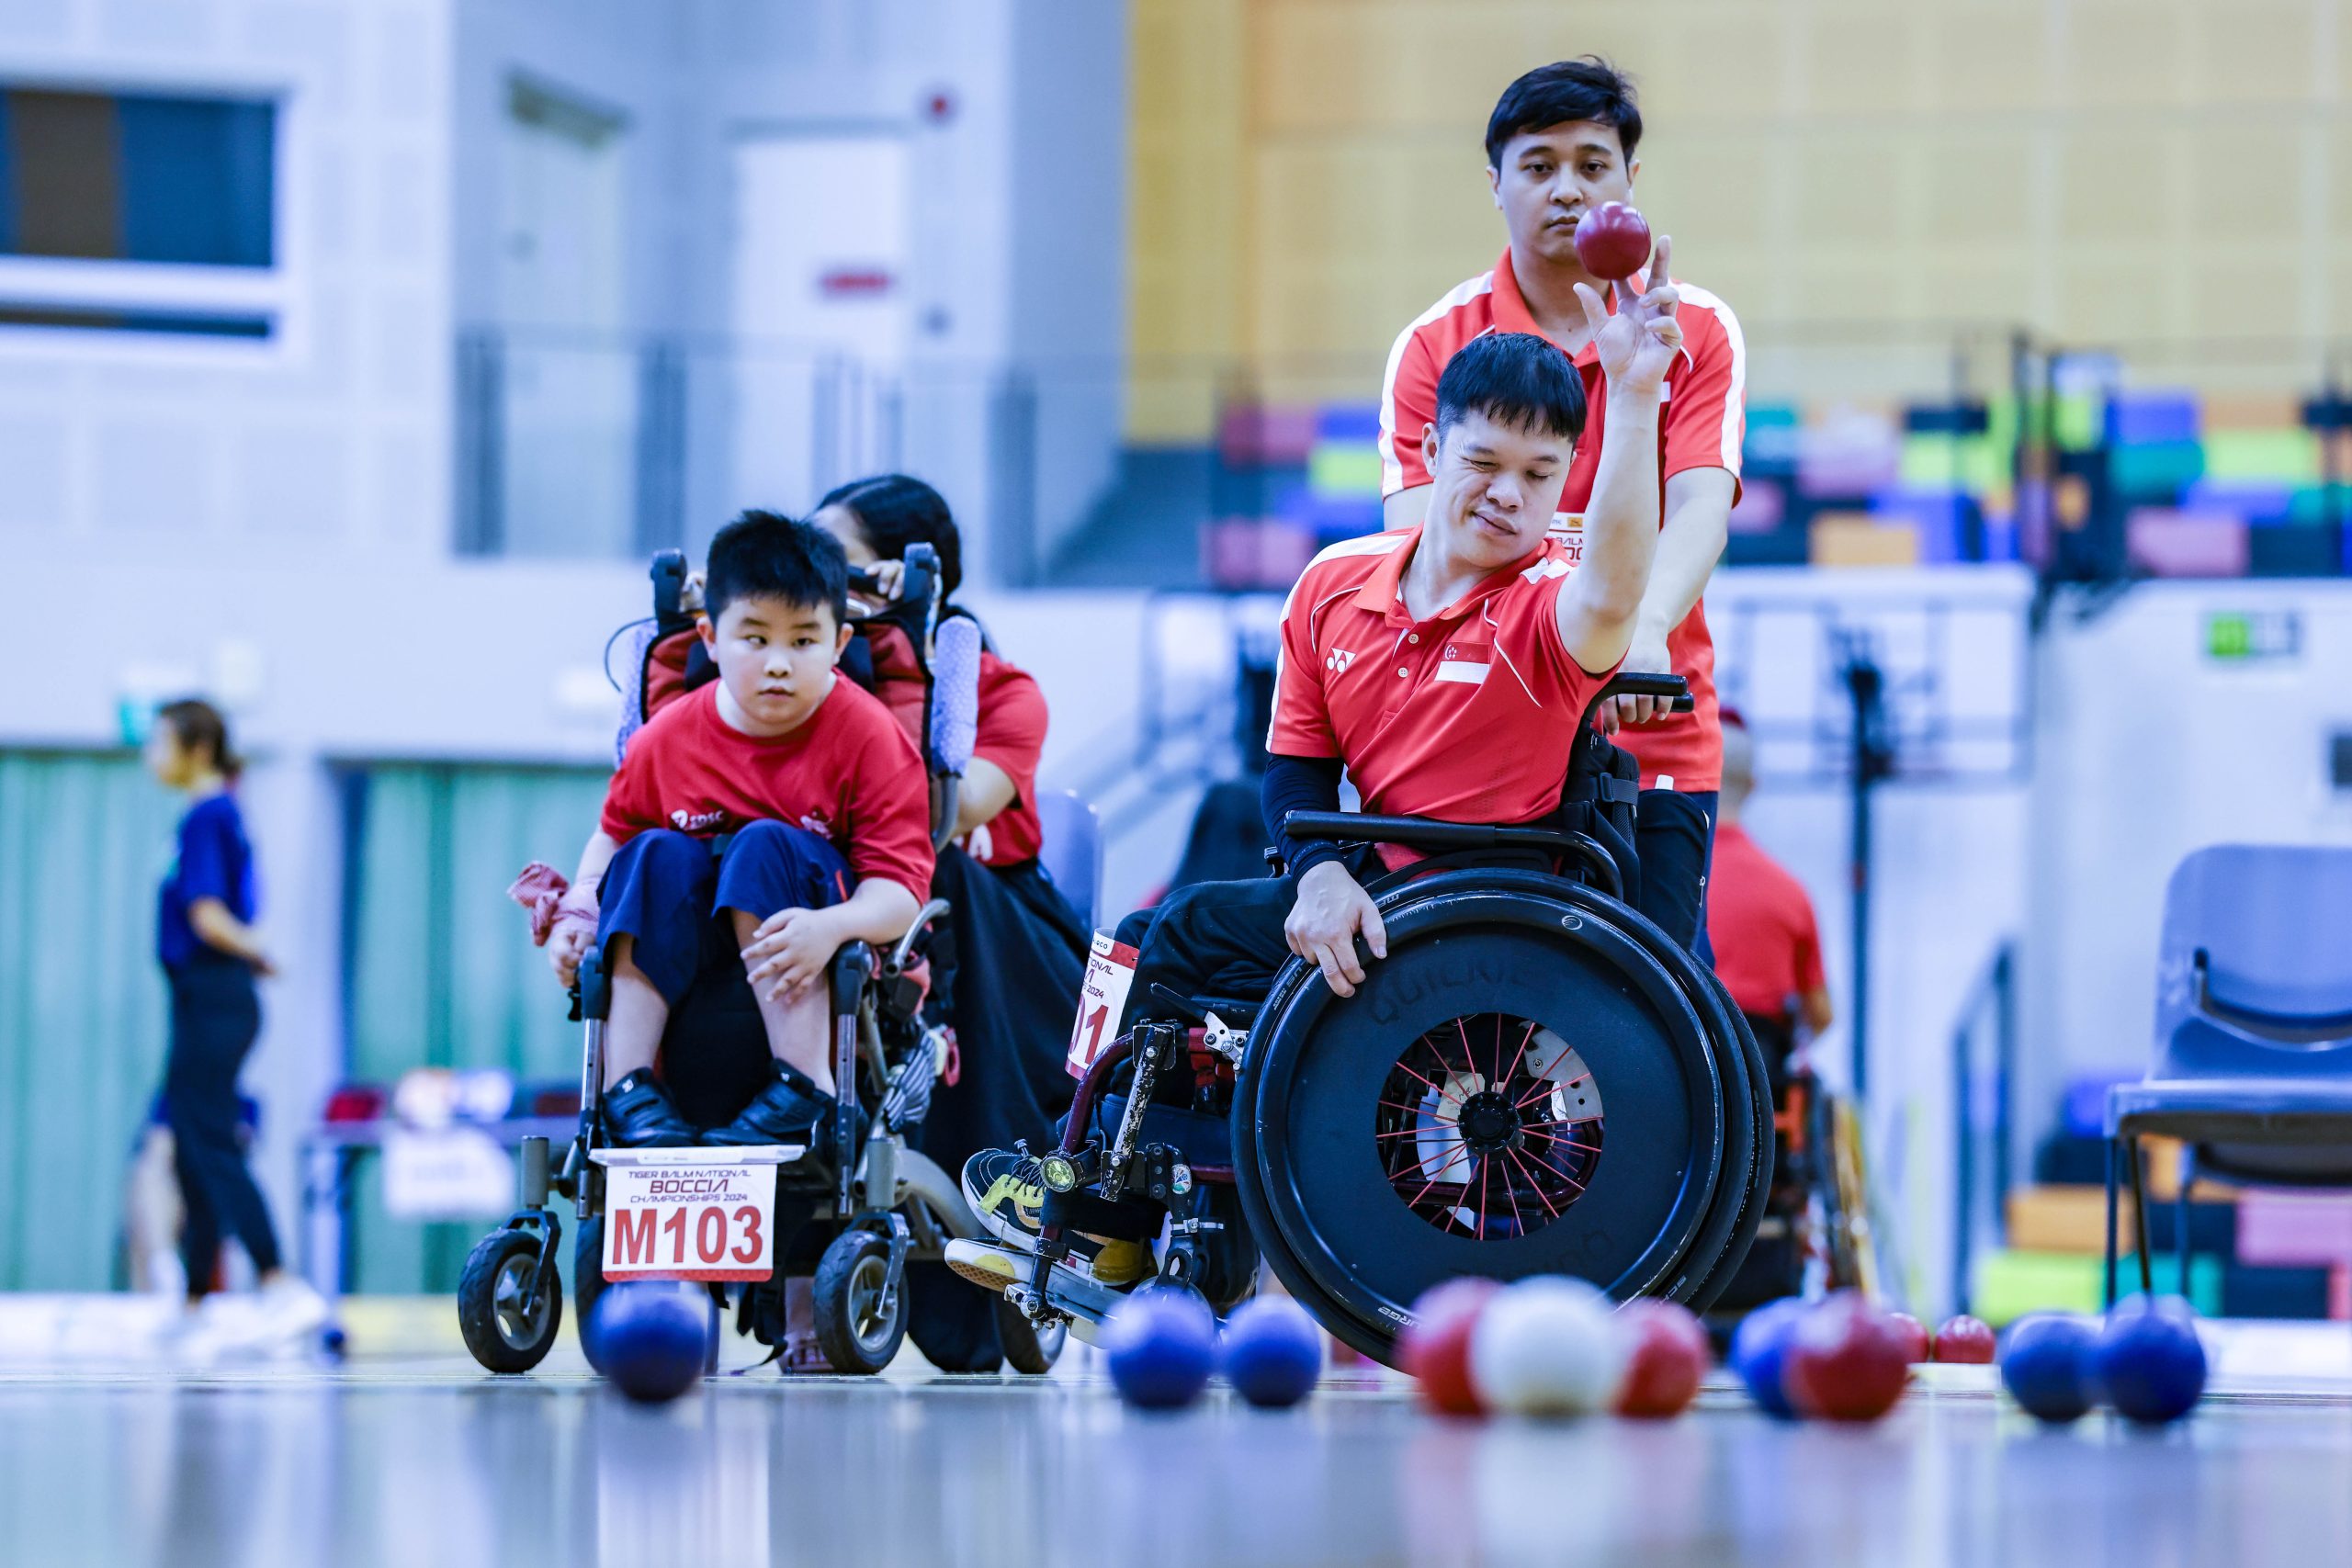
848	774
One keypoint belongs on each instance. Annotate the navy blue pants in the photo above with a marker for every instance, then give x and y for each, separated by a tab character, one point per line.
670	894
216	1015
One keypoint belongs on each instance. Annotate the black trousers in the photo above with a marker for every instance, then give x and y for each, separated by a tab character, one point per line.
1674	834
1216	939
216	1014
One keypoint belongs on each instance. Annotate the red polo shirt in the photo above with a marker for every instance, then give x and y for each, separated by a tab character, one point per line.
1011	733
848	774
1466	717
1761	924
1699	426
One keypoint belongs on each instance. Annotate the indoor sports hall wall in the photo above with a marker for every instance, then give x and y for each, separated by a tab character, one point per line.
1308	173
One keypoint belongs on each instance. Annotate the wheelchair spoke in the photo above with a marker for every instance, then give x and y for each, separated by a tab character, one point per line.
1505	1076
1532	1180
1442	1092
1546	1086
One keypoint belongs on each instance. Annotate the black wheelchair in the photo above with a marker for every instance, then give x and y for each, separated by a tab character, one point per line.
1535	1080
849	1215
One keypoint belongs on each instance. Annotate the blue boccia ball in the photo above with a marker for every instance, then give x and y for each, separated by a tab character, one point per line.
2046	1365
1272	1352
1160	1346
2148	1362
651	1340
1760	1353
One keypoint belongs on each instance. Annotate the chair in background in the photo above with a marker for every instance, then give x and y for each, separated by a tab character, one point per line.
1072	850
2253	1061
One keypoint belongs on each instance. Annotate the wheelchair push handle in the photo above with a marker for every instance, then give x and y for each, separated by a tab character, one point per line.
1633	683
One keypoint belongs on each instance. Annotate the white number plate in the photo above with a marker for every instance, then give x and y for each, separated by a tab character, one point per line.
1102	998
689	1213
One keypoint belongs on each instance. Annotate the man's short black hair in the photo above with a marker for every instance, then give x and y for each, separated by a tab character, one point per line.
764	556
1589	88
1516	379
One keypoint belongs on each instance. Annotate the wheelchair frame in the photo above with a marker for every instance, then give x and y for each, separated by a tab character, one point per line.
510	1309
1085	1161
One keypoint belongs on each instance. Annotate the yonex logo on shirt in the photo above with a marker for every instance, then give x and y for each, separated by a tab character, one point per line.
1340	660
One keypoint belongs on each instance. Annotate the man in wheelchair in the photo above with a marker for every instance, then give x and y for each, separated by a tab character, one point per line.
1444	669
826	805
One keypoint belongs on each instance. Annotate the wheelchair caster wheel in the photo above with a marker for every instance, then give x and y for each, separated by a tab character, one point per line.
502	1335
861	1311
1029	1347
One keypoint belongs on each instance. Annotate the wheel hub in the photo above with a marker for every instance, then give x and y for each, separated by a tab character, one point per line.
1488	1126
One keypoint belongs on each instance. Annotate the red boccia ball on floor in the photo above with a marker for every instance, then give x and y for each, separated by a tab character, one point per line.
1964	1341
1435	1350
1668	1360
1847	1361
1915	1335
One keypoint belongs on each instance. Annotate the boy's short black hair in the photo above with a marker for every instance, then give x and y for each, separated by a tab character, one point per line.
764	556
1514	378
893	510
1589	88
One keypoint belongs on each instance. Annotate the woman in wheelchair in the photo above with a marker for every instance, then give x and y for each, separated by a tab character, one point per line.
1007	968
1452	672
823	804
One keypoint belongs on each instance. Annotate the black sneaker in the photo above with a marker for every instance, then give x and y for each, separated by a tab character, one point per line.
1007	1190
640	1114
790	1110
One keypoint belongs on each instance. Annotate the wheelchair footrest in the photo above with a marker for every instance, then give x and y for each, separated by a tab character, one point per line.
1080	1296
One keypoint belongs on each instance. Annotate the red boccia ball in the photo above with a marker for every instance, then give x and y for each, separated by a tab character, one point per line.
1847	1361
1613	241
1964	1340
1435	1351
1668	1360
1914	1334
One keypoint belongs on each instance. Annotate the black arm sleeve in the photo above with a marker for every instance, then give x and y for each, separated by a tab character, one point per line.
1300	784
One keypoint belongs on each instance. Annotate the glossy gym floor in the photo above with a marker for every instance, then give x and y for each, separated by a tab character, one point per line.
425	1460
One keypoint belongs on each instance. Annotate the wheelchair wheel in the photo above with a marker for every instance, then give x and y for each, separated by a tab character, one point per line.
499	1273
860	1313
588	1283
1028	1348
1535	1080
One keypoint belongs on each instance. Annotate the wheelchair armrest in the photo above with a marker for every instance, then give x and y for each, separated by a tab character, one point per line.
1422	832
2276	1028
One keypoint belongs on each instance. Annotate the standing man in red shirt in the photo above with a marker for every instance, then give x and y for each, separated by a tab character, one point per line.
1768	950
1560	143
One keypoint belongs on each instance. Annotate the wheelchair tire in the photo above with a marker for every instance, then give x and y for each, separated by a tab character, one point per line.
1737	1210
587	1284
861	1315
502	1336
1029	1349
1759	1190
1307	1170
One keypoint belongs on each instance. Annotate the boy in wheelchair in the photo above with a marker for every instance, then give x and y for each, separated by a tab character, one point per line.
1445	669
824	805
